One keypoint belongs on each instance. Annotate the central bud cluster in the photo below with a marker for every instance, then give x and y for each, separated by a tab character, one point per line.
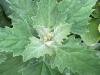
48	37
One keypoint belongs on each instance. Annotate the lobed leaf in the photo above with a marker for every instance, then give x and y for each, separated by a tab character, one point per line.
38	68
77	58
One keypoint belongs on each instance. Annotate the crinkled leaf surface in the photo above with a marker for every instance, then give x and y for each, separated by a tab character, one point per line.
57	16
47	42
22	22
51	13
46	13
38	68
77	58
36	49
15	39
93	36
76	13
11	65
61	32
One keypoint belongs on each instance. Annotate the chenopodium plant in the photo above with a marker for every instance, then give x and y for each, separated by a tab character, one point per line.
41	30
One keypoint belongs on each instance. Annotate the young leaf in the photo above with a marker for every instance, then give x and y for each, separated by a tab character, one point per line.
36	49
47	42
52	13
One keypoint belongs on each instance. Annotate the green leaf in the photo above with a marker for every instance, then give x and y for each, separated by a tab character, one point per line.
93	36
76	58
22	22
47	42
15	39
36	49
26	8
2	57
46	13
11	66
62	34
38	68
76	13
52	13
